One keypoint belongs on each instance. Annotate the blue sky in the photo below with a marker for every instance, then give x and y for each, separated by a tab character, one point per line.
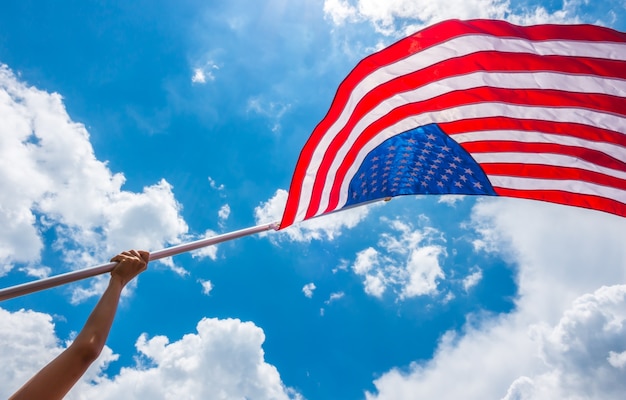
149	123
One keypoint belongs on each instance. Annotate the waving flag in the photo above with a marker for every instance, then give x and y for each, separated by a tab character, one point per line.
475	107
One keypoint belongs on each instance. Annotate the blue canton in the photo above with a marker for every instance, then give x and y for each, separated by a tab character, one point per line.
423	160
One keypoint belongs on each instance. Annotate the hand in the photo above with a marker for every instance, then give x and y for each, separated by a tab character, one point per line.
129	264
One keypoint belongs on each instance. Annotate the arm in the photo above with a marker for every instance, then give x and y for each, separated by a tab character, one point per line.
58	377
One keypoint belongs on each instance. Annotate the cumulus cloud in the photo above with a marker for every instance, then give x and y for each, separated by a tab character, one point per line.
27	343
27	339
472	279
390	17
208	251
223	214
50	179
561	340
308	289
334	297
405	260
326	227
617	360
583	352
204	74
207	286
401	17
222	359
198	76
450	199
340	11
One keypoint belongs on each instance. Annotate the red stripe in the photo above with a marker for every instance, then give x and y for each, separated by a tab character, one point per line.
552	172
480	62
590	155
546	98
585	132
428	37
567	198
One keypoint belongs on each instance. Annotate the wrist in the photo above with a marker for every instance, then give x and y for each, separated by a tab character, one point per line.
116	282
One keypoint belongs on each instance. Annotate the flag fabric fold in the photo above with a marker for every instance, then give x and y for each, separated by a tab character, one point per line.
476	107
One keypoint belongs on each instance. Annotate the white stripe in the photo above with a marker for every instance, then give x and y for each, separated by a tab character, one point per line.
481	110
456	47
553	160
613	150
572	186
541	80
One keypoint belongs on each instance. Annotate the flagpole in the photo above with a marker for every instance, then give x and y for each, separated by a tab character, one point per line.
57	280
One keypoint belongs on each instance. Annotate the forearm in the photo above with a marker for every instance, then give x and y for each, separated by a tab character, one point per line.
58	377
93	336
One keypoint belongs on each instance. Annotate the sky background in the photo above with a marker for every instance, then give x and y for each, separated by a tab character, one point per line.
145	124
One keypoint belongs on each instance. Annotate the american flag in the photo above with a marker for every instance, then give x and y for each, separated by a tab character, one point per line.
475	107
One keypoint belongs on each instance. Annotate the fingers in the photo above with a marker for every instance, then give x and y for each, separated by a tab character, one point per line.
139	255
130	263
144	255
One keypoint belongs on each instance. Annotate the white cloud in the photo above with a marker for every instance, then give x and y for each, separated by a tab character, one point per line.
214	185
26	339
308	289
27	343
560	341
48	168
204	74
340	11
272	110
617	360
208	251
207	286
343	266
450	199
448	297
472	279
401	17
390	17
579	349
406	260
37	271
334	297
223	213
198	76
222	359
366	261
326	227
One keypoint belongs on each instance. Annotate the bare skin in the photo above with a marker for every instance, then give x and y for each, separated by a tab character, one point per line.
60	375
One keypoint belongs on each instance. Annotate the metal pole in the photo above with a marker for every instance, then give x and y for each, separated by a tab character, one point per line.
57	280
